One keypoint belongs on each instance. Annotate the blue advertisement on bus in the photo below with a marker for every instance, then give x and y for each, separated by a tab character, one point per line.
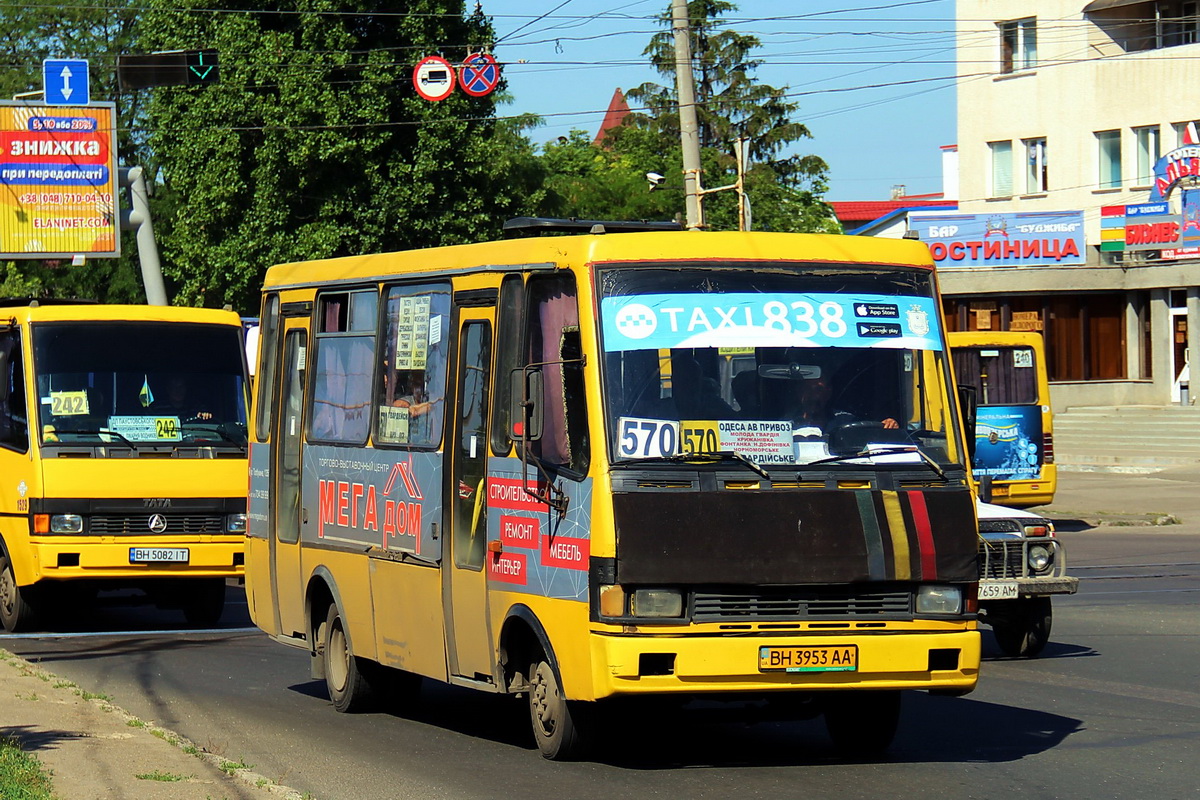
1008	443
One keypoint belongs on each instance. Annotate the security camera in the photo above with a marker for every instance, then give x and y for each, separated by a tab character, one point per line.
655	179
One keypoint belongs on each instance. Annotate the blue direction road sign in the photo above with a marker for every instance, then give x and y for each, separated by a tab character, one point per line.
65	81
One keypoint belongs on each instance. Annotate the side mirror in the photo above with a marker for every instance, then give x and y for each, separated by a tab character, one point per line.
525	414
968	403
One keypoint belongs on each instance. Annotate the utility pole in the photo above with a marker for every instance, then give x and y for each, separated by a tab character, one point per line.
137	218
689	129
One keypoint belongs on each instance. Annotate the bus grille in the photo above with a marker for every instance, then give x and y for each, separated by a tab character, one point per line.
139	525
799	604
1001	559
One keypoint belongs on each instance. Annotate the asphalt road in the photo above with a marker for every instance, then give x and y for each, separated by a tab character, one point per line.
1111	709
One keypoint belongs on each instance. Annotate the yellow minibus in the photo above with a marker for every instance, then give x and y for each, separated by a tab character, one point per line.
591	466
123	456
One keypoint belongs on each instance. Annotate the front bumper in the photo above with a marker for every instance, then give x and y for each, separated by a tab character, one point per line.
714	664
63	559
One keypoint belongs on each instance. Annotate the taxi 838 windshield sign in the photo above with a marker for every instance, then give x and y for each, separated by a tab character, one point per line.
58	181
665	321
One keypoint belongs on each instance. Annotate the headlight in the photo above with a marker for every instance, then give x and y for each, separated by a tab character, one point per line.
939	600
66	523
235	523
1039	557
656	603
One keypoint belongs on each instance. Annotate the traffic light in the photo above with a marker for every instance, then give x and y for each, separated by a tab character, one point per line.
172	68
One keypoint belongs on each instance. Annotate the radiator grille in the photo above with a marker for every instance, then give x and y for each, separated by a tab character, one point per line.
139	524
799	604
1001	559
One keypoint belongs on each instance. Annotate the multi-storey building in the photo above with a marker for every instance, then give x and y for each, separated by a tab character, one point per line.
1072	118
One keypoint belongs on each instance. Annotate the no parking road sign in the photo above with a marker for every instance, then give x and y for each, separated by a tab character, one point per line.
433	78
480	74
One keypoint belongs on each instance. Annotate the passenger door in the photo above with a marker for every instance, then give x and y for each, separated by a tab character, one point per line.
287	583
468	631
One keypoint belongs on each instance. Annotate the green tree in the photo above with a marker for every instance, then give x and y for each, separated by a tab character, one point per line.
315	143
785	190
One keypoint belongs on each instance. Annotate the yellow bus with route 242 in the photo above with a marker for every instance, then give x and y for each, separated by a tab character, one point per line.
122	457
571	467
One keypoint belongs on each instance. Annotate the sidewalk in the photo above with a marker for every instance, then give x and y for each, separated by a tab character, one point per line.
1100	499
96	751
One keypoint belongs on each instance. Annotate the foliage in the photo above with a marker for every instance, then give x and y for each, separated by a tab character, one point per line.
21	775
315	143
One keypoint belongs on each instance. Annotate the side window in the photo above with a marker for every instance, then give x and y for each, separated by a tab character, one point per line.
411	397
343	367
553	336
265	379
508	358
14	422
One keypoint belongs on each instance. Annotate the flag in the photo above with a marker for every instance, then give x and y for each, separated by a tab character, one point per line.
145	395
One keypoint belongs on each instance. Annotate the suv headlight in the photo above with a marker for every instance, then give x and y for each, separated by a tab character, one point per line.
1039	558
235	523
939	600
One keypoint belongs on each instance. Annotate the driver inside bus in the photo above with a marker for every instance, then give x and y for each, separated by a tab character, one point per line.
177	402
812	413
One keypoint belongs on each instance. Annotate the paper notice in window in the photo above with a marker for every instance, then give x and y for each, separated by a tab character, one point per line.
412	332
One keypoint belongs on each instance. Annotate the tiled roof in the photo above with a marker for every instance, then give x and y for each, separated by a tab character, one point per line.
861	211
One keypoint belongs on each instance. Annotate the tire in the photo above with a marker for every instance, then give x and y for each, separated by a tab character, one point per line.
203	601
1024	631
862	724
16	612
554	720
346	675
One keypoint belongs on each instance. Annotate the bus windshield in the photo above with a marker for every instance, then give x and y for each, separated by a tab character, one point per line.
779	366
169	384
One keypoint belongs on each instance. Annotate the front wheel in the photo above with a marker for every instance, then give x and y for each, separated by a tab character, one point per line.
16	613
862	724
1024	631
554	720
345	676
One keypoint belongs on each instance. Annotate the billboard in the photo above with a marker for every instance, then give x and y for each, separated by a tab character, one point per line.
58	181
1002	239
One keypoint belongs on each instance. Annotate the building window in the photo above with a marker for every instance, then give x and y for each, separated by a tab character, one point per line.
1018	45
1109	147
1002	178
1036	181
1148	152
1149	25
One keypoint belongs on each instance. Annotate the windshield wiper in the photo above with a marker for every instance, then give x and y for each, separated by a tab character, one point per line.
884	451
96	432
705	458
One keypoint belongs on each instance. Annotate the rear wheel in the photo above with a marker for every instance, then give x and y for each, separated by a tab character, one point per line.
1024	631
346	675
862	724
203	601
16	613
555	721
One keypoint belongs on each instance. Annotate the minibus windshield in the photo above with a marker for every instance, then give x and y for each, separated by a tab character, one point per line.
781	366
133	384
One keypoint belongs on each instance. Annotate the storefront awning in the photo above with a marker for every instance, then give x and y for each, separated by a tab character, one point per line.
1102	5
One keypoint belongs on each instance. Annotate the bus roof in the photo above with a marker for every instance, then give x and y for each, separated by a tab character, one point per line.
994	338
89	312
609	248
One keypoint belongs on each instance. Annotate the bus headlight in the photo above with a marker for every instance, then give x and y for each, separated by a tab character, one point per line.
939	600
66	523
235	523
1039	558
656	603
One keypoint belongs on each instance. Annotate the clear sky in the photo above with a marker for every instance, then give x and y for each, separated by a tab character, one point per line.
874	78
